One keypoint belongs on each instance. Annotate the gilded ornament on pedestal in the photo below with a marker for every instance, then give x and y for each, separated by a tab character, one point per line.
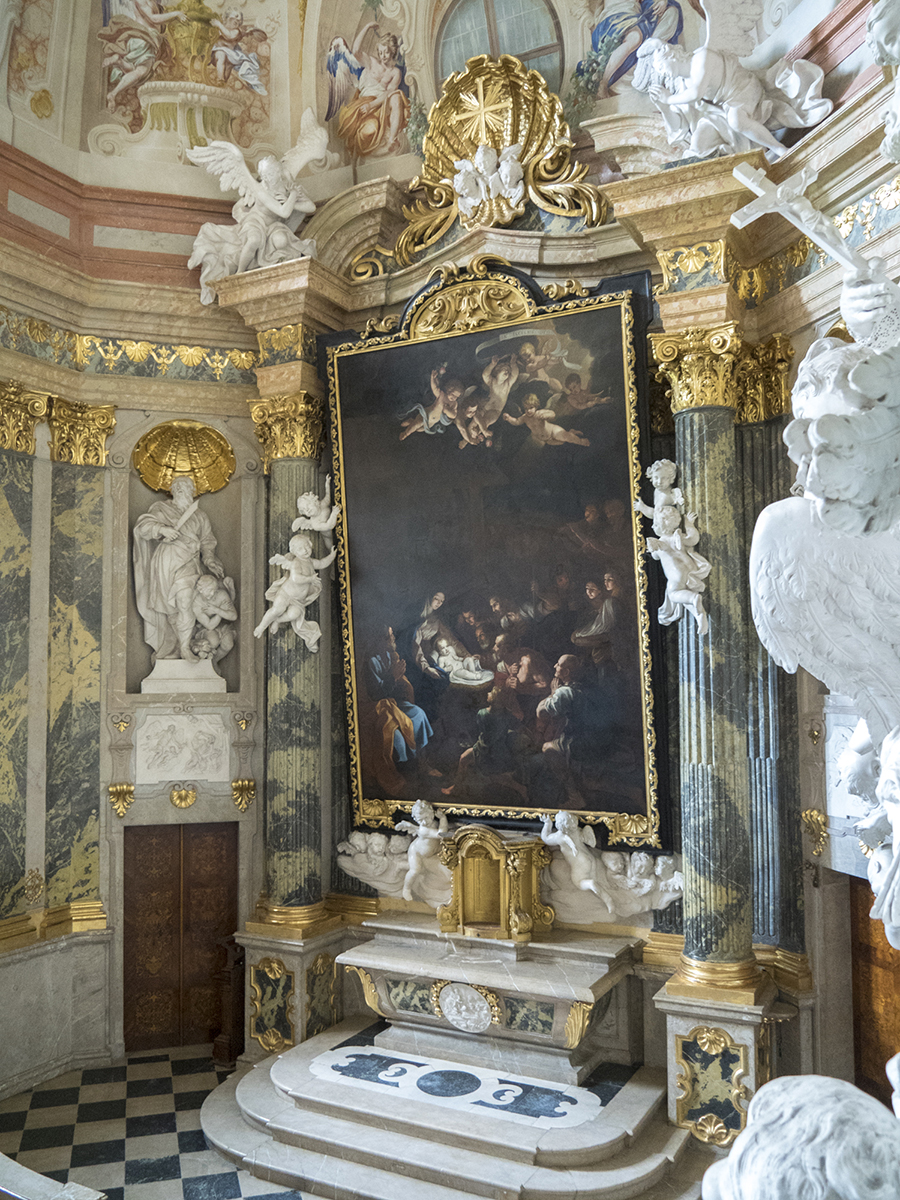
184	448
121	797
20	411
272	997
370	992
289	426
243	792
577	1022
711	1077
497	103
816	823
78	432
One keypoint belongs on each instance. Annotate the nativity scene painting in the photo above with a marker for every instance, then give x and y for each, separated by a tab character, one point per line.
496	605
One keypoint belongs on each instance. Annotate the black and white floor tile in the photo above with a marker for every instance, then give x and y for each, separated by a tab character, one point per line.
131	1130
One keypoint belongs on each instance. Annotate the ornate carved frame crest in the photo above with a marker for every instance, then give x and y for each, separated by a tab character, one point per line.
369	376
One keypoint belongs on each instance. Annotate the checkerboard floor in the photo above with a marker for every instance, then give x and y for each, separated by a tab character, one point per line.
131	1130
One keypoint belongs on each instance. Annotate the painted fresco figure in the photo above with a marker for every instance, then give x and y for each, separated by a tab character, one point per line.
628	25
133	41
228	54
166	575
368	93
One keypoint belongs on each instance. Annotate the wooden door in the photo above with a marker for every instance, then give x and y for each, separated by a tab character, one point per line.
876	985
180	901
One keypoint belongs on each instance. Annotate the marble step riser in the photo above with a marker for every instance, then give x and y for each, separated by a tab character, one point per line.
472	1177
580	1156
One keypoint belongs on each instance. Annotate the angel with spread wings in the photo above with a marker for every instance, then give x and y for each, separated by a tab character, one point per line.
265	206
711	103
368	92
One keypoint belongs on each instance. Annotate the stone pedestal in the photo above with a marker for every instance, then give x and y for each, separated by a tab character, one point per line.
173	675
553	1010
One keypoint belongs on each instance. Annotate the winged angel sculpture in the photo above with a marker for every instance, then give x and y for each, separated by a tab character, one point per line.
711	103
264	210
825	563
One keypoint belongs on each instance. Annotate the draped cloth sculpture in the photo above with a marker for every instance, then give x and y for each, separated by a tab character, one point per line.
711	103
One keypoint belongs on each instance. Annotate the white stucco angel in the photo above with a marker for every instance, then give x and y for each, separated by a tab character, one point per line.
316	514
575	844
711	103
428	830
293	592
883	39
825	563
488	175
684	568
662	475
265	212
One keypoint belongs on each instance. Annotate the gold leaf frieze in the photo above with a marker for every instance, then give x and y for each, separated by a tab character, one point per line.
78	432
496	103
184	448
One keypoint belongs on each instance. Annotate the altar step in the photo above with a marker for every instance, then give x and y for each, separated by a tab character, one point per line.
344	1142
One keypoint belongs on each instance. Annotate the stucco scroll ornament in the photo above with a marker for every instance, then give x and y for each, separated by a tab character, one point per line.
265	211
809	1135
825	563
317	514
488	175
883	39
711	103
673	547
295	591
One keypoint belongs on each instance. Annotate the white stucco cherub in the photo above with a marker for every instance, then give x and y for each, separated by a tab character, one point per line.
684	568
428	830
662	475
575	845
316	514
291	594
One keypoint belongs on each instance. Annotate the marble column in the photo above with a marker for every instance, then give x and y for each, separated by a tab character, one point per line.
291	429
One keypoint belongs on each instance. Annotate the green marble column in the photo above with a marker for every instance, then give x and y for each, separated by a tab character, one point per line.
73	697
15	584
291	430
702	368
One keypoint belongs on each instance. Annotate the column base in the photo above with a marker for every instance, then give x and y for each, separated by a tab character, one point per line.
722	983
718	1053
295	923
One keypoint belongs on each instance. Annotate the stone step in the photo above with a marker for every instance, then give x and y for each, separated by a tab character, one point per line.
397	1170
616	1125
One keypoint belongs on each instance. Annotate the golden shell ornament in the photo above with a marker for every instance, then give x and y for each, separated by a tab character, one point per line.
184	448
496	102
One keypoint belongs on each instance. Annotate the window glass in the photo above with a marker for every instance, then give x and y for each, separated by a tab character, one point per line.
523	25
526	29
465	35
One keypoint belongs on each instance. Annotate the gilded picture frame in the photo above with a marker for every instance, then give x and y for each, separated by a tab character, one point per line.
497	647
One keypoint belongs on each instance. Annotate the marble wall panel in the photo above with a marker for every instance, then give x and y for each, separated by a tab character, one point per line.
528	1016
15	583
73	718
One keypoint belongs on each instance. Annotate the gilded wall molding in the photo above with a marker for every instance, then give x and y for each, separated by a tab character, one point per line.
243	792
20	411
289	426
94	354
121	797
715	368
78	432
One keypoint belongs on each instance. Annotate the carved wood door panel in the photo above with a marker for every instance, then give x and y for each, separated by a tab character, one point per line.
876	985
180	900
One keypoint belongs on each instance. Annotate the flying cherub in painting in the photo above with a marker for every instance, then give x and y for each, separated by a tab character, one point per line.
577	398
499	377
443	410
230	52
538	360
541	428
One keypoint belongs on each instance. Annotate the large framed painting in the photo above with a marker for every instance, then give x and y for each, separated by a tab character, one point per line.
497	648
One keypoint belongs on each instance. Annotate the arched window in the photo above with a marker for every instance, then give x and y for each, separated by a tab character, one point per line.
526	28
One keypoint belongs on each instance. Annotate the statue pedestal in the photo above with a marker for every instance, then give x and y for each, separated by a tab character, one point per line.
175	675
553	1010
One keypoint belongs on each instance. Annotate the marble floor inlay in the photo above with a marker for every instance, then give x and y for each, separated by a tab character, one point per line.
130	1130
433	1080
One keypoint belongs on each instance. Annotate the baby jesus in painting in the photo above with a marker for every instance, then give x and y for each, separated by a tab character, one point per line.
542	431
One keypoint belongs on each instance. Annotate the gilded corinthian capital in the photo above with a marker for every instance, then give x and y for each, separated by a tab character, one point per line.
715	368
289	426
20	411
78	432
